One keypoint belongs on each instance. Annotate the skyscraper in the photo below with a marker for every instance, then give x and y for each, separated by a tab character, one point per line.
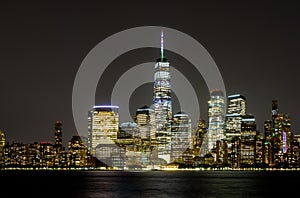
129	130
236	104
103	126
58	147
145	119
247	142
78	153
235	111
58	143
281	139
163	104
2	144
216	115
181	135
198	136
278	137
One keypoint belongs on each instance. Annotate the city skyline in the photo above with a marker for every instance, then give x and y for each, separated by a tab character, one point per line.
40	60
158	138
112	146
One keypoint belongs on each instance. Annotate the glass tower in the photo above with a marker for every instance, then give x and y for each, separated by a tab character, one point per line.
216	115
163	105
103	126
181	135
235	111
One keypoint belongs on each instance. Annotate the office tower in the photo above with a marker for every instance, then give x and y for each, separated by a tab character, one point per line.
58	143
2	139
129	138
233	121
129	130
247	142
268	129
216	116
222	153
163	105
260	158
46	154
145	119
2	144
78	153
58	147
181	136
33	155
236	109
236	104
281	140
278	137
295	152
198	136
103	126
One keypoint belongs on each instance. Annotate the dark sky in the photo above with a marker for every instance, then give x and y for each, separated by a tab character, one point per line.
42	44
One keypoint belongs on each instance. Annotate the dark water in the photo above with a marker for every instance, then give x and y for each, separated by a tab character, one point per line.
150	184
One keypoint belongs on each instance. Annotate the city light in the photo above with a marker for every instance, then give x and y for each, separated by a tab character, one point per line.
159	139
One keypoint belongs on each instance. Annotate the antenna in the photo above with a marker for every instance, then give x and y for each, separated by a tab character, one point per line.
162	44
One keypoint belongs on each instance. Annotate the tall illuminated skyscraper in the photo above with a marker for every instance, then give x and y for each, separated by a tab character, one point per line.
58	143
103	126
216	116
278	137
163	104
58	147
247	141
235	111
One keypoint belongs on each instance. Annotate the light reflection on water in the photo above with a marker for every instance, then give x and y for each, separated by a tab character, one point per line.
154	184
186	184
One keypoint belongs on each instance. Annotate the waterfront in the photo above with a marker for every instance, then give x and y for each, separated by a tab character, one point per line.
149	183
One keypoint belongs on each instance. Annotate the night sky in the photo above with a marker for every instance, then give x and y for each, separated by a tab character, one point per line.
255	45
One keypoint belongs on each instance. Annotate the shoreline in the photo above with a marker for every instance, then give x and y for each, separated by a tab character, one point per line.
150	170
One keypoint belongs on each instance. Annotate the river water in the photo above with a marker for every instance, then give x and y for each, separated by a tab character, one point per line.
149	184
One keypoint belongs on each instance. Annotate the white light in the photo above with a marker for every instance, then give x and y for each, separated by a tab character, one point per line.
105	106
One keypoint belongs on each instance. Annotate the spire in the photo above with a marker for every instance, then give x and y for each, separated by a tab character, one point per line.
162	44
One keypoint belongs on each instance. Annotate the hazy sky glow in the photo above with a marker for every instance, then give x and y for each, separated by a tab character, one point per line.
255	46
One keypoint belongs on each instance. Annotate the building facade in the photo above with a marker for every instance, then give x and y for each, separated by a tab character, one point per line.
216	116
181	136
163	105
103	126
235	111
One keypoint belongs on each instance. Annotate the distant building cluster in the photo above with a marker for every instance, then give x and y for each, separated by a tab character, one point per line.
158	138
243	146
45	154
